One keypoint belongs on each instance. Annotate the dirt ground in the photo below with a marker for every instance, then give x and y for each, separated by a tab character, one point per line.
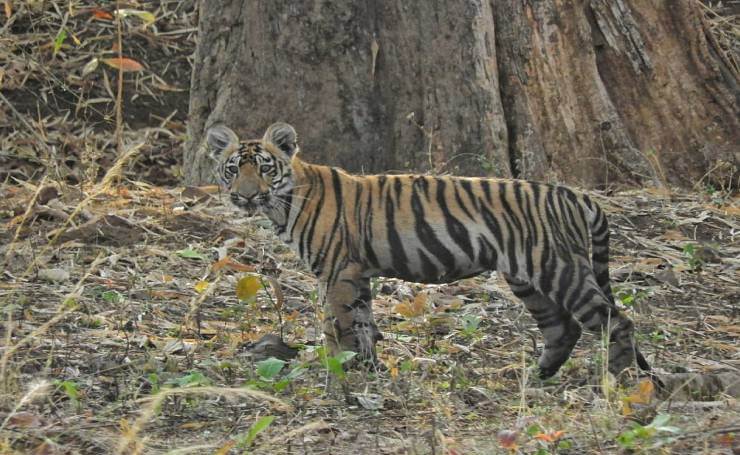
135	311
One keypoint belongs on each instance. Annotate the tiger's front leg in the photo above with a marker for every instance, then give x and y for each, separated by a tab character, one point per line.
348	323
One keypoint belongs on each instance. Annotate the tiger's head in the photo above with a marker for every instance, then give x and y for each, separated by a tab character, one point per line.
255	172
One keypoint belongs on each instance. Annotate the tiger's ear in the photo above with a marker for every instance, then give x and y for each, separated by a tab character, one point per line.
284	137
220	138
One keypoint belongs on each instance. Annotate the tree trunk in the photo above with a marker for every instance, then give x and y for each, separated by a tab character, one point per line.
590	92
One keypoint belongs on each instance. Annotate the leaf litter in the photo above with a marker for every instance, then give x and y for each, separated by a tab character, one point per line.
146	309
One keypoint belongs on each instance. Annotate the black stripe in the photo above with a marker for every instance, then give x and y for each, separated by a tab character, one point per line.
487	255
400	262
369	252
584	299
426	234
459	200
467	186
313	219
455	228
304	199
427	267
510	250
486	187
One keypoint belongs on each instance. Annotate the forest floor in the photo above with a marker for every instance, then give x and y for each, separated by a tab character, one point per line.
138	314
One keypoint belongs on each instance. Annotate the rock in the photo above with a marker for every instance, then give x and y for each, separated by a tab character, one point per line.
54	275
271	345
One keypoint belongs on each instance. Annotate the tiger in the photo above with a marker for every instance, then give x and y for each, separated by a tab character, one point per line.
430	229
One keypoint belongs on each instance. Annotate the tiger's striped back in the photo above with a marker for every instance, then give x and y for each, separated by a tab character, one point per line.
427	229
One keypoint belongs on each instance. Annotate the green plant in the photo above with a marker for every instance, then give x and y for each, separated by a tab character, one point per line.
257	427
333	364
470	324
648	436
630	297
690	252
268	371
193	379
72	390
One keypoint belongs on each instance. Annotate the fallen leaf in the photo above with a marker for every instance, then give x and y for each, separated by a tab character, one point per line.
507	439
549	437
101	14
229	263
124	63
413	308
190	253
247	287
201	286
642	396
146	16
8	9
24	420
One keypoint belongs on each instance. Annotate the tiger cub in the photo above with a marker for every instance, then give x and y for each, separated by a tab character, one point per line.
427	229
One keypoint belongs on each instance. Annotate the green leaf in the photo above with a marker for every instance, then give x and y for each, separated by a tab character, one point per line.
260	425
345	356
296	373
190	253
534	429
281	385
59	40
335	367
111	296
146	16
153	379
194	379
269	368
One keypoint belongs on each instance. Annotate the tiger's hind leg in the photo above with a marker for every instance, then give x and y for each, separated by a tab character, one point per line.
560	330
586	301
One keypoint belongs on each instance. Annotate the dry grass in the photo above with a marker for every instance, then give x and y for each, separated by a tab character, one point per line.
123	350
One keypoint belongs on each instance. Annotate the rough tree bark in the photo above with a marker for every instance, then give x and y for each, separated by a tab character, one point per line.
590	92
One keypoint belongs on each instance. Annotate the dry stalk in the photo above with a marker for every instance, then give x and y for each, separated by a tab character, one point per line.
26	214
130	437
67	306
196	302
119	93
35	390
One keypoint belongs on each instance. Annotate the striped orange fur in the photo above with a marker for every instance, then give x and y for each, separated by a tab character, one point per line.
427	229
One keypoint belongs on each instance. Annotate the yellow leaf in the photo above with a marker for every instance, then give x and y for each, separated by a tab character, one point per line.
643	395
247	287
412	309
145	16
201	286
124	63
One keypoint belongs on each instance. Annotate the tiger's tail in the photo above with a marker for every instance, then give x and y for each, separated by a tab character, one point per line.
599	227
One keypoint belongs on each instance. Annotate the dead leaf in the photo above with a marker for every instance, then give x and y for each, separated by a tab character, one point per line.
550	437
413	308
101	14
507	439
201	286
642	396
229	263
124	63
247	287
24	420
